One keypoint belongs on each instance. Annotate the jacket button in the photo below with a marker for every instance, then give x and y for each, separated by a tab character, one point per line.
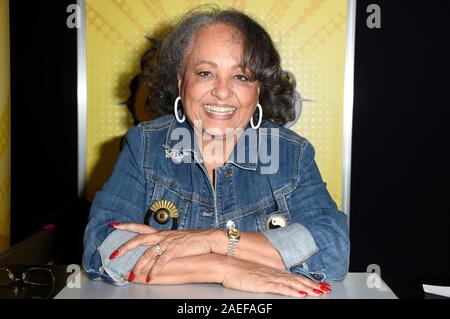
317	277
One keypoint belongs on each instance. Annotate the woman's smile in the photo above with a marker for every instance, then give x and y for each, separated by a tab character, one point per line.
219	112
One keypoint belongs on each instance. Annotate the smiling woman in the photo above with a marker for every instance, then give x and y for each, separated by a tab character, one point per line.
217	218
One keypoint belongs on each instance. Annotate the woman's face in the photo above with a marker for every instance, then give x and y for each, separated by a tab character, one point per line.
214	89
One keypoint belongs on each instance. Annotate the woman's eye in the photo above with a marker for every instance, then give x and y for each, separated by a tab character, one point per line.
204	74
241	77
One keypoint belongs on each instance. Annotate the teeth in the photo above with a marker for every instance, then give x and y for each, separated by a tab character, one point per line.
219	109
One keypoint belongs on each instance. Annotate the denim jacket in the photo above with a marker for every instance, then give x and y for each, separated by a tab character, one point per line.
290	205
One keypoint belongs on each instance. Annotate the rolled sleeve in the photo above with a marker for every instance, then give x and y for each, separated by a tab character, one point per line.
319	247
119	267
294	243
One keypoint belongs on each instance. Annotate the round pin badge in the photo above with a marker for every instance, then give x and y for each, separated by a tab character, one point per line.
276	221
162	211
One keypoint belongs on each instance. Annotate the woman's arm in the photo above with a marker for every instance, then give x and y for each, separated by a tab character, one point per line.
208	268
122	198
233	273
253	247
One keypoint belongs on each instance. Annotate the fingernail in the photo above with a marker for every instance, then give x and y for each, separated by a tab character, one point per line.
326	289
303	293
49	227
114	254
325	284
114	224
317	291
131	276
148	279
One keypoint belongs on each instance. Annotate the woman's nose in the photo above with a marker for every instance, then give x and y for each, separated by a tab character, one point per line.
222	90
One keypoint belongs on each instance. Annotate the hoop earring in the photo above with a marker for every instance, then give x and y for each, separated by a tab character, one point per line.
175	110
260	117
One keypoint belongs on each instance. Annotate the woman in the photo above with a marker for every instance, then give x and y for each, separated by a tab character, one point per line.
192	199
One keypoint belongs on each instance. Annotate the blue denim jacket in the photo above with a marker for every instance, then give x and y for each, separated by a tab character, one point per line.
314	241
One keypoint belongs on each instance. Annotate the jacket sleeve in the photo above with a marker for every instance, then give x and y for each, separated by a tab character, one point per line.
122	199
316	244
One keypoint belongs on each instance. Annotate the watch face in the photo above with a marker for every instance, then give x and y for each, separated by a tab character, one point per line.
234	233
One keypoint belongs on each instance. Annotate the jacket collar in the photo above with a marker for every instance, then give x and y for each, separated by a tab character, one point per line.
181	141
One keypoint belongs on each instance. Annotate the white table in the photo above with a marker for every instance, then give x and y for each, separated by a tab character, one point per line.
353	287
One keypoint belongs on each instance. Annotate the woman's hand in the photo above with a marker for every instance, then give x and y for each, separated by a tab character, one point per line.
173	244
251	277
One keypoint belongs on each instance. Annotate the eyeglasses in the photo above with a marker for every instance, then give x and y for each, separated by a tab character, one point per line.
34	278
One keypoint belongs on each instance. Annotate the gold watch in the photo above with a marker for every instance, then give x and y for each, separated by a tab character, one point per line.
233	235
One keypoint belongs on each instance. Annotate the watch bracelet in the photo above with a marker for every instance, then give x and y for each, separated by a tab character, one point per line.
232	247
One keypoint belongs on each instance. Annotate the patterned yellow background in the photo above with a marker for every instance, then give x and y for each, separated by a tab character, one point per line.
5	145
310	35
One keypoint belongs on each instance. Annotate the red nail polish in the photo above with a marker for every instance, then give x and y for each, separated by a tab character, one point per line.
114	224
326	289
49	227
325	284
317	291
148	279
131	276
303	293
114	254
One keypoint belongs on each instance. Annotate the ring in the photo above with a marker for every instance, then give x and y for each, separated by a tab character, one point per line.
158	250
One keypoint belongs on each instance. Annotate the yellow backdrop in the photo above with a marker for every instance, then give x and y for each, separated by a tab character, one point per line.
5	145
311	38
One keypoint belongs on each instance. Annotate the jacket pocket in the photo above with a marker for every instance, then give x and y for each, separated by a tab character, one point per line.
272	214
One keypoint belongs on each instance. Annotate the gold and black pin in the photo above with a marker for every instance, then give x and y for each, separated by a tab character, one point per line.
162	210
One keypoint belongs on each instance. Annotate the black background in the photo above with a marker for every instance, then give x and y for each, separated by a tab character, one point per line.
44	124
400	160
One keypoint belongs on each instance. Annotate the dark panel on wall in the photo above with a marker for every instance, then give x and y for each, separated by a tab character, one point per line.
44	120
401	162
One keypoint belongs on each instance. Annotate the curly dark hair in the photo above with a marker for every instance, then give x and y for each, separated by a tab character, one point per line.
162	66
